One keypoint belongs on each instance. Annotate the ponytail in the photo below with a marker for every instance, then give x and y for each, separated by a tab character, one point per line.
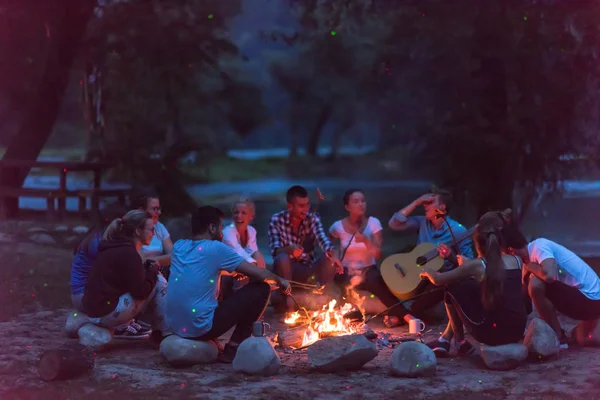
493	283
113	229
126	227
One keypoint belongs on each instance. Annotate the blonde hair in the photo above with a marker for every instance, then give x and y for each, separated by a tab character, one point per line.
246	201
126	227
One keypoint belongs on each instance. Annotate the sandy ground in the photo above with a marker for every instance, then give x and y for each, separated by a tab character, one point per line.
34	296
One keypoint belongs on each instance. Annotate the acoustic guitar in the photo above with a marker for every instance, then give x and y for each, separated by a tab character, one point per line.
401	271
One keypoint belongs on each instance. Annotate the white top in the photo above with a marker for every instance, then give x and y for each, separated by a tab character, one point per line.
232	239
155	248
357	255
572	270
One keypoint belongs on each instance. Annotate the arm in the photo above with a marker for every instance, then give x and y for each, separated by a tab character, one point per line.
253	271
542	262
400	220
139	280
547	271
256	256
165	259
473	268
319	232
275	242
231	240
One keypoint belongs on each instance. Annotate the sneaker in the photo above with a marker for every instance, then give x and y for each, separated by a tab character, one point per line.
441	348
465	348
130	333
142	327
228	354
564	341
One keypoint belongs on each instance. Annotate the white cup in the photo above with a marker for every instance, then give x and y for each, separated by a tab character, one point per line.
415	325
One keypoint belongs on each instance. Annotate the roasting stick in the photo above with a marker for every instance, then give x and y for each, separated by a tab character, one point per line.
401	302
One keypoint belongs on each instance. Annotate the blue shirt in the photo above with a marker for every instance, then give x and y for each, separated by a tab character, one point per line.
82	264
428	234
196	266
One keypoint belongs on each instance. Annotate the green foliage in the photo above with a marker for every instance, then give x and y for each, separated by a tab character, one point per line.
328	68
171	78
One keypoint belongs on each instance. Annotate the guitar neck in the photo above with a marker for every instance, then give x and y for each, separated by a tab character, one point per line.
461	238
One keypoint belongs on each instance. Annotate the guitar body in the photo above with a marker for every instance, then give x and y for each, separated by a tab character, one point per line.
400	272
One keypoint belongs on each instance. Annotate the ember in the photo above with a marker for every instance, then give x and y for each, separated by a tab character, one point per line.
329	321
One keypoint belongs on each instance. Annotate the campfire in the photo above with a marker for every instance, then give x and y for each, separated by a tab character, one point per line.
309	327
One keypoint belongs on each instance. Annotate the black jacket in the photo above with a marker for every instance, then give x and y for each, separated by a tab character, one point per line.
117	270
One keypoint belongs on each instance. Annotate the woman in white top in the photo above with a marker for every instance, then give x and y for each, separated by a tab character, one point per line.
161	245
360	239
241	237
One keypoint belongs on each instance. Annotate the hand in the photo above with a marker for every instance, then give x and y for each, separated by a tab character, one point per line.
260	261
426	198
444	251
460	259
337	264
284	286
429	274
360	238
296	251
238	277
525	273
152	264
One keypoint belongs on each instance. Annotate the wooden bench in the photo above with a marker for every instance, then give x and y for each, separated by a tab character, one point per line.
56	197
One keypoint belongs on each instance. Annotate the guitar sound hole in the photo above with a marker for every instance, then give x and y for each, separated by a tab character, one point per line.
421	261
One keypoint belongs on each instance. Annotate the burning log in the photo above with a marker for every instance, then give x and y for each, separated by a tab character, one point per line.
292	338
67	361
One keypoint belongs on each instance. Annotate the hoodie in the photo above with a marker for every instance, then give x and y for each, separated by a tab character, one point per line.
117	270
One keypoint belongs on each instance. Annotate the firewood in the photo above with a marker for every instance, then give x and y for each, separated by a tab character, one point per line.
67	361
292	337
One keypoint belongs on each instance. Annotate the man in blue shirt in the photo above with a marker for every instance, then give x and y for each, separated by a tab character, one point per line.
192	309
430	228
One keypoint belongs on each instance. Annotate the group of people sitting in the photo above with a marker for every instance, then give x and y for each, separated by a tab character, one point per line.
217	279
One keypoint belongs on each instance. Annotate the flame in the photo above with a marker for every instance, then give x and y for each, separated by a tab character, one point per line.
329	321
292	318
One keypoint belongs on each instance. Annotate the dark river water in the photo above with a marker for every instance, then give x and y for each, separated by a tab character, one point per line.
573	220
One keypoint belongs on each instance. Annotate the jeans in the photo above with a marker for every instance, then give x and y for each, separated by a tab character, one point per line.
241	309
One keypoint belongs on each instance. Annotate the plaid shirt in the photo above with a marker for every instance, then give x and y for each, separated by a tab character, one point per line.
281	234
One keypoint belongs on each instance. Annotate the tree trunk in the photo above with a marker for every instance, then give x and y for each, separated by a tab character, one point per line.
45	105
313	140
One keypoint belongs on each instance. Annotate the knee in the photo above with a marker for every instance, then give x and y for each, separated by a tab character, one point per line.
281	260
536	287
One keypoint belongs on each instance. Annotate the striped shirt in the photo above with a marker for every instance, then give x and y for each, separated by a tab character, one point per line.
281	234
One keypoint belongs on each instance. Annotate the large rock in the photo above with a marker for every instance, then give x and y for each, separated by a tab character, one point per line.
94	336
256	356
502	358
541	340
412	360
341	353
75	320
181	352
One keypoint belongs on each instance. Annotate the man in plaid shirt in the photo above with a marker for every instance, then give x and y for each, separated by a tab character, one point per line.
292	237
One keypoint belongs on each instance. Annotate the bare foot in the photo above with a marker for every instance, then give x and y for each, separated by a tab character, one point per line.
391	321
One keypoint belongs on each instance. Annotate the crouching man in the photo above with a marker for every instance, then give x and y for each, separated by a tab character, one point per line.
192	307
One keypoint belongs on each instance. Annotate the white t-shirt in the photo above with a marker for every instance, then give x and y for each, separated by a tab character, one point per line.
572	270
155	248
357	255
232	239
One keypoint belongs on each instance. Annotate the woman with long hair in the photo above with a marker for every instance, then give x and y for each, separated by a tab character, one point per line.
360	238
240	236
120	285
86	251
484	294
